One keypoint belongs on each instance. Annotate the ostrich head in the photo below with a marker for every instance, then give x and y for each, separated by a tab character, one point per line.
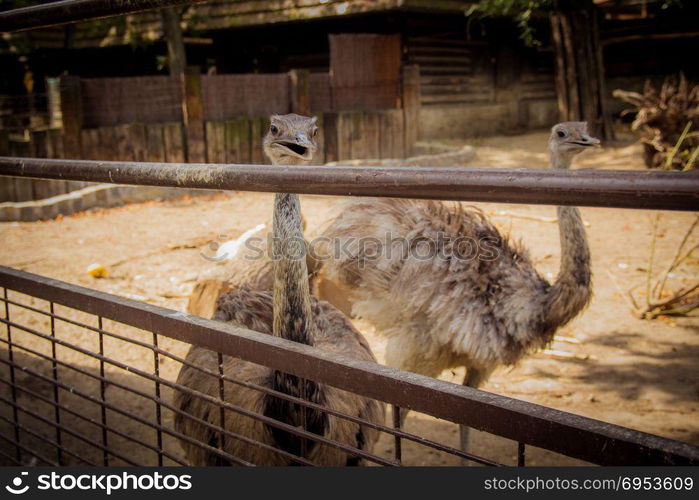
291	139
567	140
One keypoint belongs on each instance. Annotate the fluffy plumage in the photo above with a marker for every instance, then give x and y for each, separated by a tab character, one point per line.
476	300
289	312
476	306
253	310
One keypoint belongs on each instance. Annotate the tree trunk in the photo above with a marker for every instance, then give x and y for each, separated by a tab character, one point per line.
579	66
172	31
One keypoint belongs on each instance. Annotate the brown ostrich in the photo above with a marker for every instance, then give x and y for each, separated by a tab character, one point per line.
440	303
289	312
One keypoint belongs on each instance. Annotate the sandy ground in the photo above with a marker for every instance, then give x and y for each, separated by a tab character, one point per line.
640	374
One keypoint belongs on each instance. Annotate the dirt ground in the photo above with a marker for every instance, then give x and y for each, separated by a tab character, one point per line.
611	366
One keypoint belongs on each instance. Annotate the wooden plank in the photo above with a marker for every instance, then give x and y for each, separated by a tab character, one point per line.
89	139
133	99
319	158
299	92
4	143
258	129
411	107
122	148
174	142
344	136
41	188
392	134
215	152
320	94
365	71
330	131
371	134
107	143
386	146
7	188
154	143
55	144
231	141
54	149
138	141
194	117
244	139
72	115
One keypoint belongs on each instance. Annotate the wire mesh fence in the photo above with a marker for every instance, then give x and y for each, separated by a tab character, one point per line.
82	382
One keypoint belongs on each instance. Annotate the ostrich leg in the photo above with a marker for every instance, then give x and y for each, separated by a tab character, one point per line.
474	378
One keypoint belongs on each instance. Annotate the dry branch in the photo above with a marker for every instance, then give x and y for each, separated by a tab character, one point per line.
664	120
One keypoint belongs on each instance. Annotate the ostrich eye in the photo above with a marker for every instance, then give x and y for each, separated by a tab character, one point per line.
274	129
561	133
315	132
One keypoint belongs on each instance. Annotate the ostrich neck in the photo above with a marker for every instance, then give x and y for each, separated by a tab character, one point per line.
571	290
292	297
575	254
292	320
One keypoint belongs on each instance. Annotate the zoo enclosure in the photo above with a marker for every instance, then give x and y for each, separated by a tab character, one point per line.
367	107
103	432
68	378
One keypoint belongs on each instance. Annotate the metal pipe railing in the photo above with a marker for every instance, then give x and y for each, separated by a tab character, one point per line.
572	435
70	11
606	188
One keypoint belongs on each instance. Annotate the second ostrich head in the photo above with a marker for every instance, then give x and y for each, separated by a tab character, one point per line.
567	140
291	139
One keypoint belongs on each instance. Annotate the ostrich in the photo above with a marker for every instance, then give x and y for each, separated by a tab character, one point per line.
440	303
289	312
242	262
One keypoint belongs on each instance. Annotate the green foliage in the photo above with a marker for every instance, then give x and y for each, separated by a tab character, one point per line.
520	10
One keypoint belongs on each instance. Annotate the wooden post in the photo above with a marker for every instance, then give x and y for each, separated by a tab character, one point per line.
72	115
411	106
299	90
579	66
330	138
193	113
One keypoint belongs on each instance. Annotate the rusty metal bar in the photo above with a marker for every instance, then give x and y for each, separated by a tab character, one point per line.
397	447
243	411
572	435
595	188
222	396
521	454
103	392
13	388
24	448
55	444
158	411
396	432
63	428
183	361
116	409
54	371
9	457
70	11
88	420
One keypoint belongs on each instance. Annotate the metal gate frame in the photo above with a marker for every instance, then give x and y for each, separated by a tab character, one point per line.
526	423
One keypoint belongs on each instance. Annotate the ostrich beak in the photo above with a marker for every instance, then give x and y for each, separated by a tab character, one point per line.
301	146
587	141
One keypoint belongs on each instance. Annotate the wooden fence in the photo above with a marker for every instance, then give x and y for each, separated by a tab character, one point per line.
219	119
